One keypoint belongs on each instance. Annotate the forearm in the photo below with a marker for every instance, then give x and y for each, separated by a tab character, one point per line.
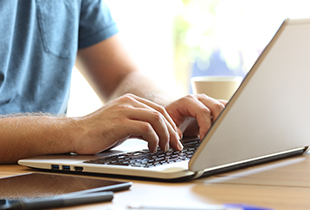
27	136
111	71
143	86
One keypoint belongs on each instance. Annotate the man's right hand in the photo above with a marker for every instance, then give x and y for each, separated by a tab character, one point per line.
125	117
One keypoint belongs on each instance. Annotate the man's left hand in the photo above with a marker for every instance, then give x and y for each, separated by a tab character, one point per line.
194	114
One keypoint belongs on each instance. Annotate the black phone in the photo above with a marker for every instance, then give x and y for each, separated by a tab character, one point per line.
36	185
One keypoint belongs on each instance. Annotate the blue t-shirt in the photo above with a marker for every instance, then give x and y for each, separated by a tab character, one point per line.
39	40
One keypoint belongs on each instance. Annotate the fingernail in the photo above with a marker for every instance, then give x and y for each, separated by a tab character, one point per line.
180	146
167	147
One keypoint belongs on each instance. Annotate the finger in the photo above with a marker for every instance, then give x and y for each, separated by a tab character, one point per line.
174	137
158	123
224	102
215	106
167	135
190	106
157	107
145	130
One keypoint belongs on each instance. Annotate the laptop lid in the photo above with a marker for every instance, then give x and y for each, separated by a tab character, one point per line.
269	113
267	117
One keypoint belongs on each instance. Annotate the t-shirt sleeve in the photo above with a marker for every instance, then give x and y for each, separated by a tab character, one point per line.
96	23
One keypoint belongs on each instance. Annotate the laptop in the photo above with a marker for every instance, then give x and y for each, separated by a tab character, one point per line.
267	118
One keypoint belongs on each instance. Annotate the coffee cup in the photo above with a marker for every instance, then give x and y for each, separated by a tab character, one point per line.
218	87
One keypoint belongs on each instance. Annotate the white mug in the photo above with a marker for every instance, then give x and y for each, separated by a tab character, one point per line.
218	87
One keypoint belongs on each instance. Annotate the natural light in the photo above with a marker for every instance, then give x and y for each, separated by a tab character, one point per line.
173	40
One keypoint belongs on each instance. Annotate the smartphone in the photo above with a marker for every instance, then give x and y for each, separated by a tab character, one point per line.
36	185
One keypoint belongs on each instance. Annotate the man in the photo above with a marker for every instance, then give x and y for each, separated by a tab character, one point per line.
39	42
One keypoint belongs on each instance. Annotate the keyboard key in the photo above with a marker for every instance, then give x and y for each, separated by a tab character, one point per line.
145	158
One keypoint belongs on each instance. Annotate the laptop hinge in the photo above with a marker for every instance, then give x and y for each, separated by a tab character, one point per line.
198	174
241	165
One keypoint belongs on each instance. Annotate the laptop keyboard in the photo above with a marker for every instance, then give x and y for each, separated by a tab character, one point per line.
146	159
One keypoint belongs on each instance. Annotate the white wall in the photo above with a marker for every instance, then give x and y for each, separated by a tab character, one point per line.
146	28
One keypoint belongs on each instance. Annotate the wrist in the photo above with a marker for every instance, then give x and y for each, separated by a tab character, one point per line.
75	133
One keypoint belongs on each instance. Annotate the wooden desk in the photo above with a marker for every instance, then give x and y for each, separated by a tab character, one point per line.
282	184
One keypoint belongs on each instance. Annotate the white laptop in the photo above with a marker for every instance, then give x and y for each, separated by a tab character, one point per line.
267	118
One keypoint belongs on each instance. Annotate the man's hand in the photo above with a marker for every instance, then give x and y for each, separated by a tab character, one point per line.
131	116
108	67
194	114
125	117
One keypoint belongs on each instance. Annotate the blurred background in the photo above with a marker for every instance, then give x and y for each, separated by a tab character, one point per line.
174	40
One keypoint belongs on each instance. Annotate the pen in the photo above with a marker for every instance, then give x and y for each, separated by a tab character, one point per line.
58	201
206	207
